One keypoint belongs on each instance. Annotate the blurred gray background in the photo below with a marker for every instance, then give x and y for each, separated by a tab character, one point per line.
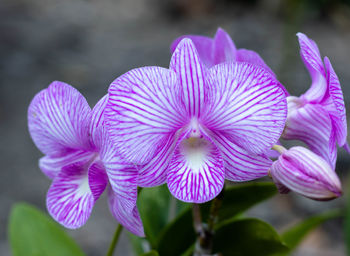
88	43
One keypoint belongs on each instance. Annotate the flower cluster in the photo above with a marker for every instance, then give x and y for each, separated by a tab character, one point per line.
214	114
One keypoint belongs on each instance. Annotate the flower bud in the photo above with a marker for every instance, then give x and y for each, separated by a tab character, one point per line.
300	170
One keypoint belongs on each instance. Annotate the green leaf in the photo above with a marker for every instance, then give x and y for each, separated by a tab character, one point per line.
239	198
33	233
179	235
151	253
247	237
293	236
157	208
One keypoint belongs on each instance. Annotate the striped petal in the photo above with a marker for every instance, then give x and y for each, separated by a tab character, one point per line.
70	199
196	170
204	46
312	125
144	106
191	75
51	166
58	120
336	108
240	165
97	120
154	173
311	57
246	105
125	211
306	173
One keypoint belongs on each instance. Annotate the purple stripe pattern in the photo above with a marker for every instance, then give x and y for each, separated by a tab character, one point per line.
302	171
69	199
247	105
58	120
221	48
191	126
318	117
80	158
144	106
51	166
191	76
196	171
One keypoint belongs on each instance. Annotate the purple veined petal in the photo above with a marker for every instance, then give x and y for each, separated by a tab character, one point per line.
311	57
240	165
191	74
196	171
144	106
254	58
312	125
97	120
337	107
154	173
51	166
204	46
124	210
97	179
224	48
122	175
244	55
306	173
69	199
246	105
58	119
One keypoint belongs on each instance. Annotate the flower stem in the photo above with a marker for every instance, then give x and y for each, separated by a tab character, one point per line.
205	232
115	240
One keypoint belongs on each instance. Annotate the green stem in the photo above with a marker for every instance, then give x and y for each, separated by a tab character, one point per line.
115	240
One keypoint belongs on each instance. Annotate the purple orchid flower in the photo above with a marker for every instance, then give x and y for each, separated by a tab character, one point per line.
318	117
192	127
80	159
300	170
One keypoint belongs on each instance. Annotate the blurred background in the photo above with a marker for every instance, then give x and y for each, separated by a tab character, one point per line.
88	43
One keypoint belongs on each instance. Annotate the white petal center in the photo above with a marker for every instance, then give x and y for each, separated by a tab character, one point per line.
196	151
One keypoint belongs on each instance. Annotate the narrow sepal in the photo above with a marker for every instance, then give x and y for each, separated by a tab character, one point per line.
191	74
311	57
336	107
97	120
124	210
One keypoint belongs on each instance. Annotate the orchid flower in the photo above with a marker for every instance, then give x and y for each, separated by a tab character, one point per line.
80	159
318	116
306	173
194	127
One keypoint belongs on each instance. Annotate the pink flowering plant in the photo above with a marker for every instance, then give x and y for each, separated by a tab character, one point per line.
172	146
